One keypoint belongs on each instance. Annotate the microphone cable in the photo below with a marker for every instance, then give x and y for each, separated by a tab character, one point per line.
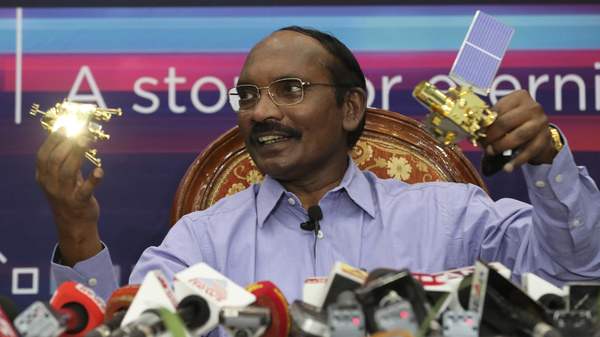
314	215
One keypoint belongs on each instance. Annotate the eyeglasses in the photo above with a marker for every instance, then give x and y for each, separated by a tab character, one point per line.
283	92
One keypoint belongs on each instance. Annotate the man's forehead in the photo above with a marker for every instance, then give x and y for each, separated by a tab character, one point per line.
285	54
286	38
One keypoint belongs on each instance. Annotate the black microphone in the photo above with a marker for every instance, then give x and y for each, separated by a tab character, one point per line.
393	301
314	215
505	308
9	307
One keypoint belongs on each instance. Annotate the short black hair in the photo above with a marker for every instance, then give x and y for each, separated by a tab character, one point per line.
346	74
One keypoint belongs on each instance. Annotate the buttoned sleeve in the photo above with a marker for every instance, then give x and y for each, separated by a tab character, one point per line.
179	250
96	272
556	236
566	218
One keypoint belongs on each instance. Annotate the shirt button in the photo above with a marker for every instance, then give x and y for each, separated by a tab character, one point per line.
292	201
540	184
558	178
320	234
92	282
576	223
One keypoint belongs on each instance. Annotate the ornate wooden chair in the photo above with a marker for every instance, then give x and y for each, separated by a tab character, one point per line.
392	146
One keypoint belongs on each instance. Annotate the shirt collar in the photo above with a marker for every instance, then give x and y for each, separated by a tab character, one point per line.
358	187
354	183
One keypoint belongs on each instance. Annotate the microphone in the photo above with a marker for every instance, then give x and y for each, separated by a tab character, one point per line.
583	296
314	215
393	301
580	317
8	312
378	273
341	277
312	290
443	288
154	292
269	316
502	306
213	287
116	307
536	287
307	320
345	317
271	297
191	313
460	324
9	308
313	320
441	291
120	300
74	309
154	310
549	295
82	304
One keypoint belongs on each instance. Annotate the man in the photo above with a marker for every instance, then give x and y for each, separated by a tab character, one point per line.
301	104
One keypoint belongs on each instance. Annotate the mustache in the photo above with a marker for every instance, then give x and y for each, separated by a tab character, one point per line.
266	127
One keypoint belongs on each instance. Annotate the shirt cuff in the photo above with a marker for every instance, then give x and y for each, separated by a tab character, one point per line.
553	180
96	272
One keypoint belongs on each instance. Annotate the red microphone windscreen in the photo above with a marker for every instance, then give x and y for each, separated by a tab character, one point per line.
120	299
80	301
269	296
6	326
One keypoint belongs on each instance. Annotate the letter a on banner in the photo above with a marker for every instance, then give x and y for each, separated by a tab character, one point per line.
95	96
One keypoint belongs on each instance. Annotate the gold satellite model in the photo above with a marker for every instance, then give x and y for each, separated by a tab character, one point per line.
77	118
460	113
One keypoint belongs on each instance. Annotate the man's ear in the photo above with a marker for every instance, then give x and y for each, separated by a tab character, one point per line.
354	108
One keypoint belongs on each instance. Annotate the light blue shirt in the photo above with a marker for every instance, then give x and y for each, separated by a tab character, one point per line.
368	222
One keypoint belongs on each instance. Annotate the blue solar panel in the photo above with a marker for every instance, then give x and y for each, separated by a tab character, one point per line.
481	53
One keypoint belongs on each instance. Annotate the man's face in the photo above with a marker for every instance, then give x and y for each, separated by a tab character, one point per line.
301	142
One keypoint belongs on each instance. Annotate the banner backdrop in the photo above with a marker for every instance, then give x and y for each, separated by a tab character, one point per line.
169	70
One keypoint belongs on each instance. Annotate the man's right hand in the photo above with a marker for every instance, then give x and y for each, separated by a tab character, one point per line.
76	211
